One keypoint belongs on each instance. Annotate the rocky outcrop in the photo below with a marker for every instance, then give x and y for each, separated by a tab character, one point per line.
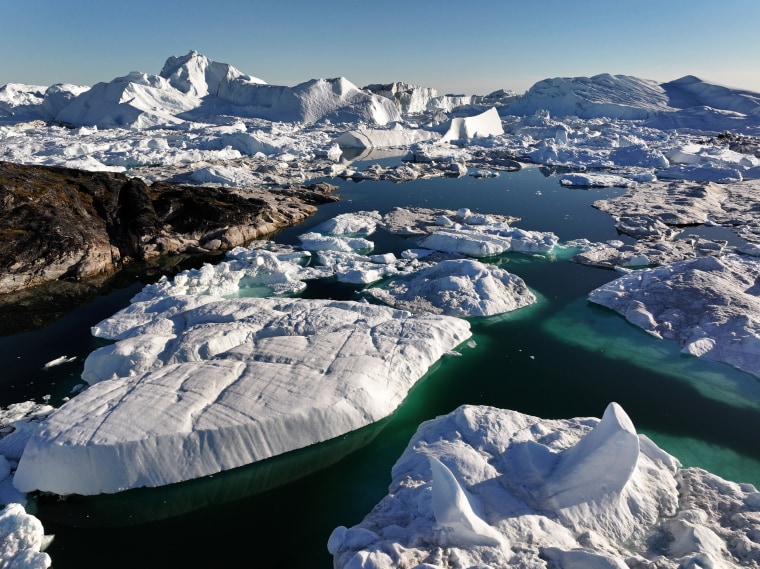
66	224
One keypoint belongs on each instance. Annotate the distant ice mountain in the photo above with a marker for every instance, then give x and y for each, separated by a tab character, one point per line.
194	87
688	102
605	95
195	74
691	91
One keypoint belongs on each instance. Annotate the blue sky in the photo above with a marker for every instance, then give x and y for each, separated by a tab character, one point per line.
456	47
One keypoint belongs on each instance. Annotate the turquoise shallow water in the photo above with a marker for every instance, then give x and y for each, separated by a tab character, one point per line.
562	357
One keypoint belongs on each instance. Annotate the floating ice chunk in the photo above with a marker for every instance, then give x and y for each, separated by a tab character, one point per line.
580	492
596	181
638	155
485	124
460	287
466	243
357	223
245	272
313	241
488	239
710	305
22	539
717	174
375	138
241	380
58	361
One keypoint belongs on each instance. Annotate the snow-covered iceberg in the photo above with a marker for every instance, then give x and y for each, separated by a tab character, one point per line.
485	124
604	95
22	540
485	487
457	287
198	384
708	304
193	88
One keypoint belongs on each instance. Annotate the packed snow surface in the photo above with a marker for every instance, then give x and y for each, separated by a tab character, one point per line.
485	487
21	540
710	305
196	385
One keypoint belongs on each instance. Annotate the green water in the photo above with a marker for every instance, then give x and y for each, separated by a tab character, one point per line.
562	357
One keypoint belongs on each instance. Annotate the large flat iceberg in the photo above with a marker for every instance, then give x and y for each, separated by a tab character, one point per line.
196	385
485	487
708	304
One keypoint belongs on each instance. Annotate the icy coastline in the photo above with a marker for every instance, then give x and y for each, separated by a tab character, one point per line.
221	364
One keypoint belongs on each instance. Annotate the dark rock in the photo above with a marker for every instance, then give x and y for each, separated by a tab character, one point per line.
66	224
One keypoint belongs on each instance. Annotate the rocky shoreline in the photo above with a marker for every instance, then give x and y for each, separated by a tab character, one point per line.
65	233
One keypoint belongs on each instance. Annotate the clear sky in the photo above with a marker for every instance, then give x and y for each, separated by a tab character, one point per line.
472	47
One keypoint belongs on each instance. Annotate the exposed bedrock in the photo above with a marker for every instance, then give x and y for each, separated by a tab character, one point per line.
66	224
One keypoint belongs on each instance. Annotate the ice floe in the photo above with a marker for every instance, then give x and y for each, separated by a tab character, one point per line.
710	305
22	540
485	487
229	382
458	287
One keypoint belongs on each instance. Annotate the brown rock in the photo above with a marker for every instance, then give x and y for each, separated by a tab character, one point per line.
66	224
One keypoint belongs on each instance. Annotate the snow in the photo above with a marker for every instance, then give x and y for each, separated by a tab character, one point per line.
21	540
458	287
710	305
489	487
230	382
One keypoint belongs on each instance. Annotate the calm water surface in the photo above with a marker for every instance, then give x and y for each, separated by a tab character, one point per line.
562	357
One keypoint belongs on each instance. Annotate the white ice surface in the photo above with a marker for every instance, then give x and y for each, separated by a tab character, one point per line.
458	287
200	114
485	124
485	487
488	240
228	382
21	540
710	305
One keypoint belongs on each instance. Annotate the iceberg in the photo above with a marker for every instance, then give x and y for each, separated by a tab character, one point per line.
708	304
604	95
22	540
485	124
375	138
193	87
221	383
486	487
457	287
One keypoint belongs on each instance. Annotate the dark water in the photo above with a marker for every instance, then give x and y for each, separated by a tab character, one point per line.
559	358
